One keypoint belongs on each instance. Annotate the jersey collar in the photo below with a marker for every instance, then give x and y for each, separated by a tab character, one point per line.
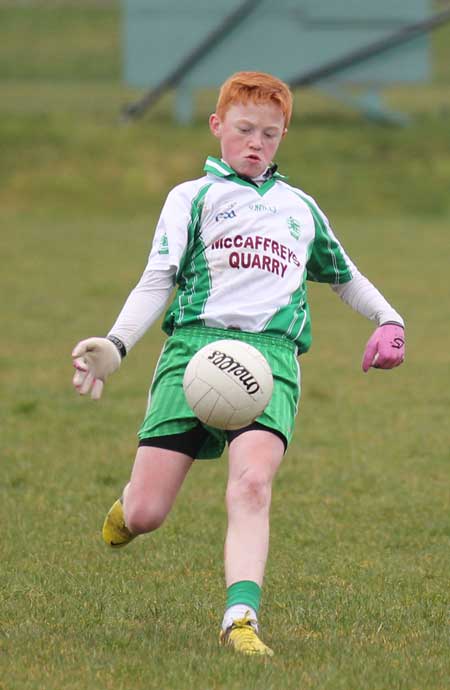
219	168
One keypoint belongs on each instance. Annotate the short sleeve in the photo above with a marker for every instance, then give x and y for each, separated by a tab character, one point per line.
171	233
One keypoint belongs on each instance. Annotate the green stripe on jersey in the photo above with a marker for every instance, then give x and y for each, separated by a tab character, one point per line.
293	319
193	275
324	247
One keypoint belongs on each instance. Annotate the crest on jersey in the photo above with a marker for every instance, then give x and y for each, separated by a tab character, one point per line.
294	227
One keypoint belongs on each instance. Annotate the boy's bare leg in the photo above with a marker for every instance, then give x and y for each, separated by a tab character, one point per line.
156	478
155	481
254	458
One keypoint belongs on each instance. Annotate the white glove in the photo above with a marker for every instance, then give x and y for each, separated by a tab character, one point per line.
94	360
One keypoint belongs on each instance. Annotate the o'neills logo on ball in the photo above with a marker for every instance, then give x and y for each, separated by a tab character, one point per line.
226	363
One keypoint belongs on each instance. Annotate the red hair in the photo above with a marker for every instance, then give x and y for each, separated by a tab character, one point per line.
257	87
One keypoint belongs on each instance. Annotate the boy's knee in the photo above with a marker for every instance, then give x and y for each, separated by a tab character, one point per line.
249	490
142	517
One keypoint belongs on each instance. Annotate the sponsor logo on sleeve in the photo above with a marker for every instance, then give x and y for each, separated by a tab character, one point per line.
164	245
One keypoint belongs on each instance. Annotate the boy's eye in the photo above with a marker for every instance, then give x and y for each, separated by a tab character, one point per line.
244	130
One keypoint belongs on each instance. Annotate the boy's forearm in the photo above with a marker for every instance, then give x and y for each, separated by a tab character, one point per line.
362	296
143	307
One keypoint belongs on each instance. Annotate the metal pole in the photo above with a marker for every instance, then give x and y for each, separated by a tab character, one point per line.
175	77
407	33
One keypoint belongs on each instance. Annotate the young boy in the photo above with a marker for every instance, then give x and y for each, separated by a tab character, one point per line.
239	243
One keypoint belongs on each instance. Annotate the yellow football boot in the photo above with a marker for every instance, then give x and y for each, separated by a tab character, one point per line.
243	638
115	532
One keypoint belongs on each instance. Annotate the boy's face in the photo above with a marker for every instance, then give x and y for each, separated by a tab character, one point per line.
249	136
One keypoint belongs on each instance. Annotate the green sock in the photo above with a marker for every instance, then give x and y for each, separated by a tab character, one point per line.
244	592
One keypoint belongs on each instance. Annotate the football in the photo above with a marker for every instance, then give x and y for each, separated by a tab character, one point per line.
228	383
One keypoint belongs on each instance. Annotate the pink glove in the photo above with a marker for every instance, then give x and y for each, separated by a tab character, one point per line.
385	348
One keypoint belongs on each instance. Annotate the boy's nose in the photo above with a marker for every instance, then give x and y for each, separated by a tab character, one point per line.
256	141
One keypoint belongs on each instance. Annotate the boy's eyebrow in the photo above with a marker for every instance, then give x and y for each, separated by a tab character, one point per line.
244	120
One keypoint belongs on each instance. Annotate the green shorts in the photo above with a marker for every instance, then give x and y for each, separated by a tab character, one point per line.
168	412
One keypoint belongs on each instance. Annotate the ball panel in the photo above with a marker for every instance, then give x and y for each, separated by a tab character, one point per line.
196	389
220	413
204	407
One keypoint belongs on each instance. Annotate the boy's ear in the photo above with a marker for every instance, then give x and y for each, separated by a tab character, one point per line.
215	125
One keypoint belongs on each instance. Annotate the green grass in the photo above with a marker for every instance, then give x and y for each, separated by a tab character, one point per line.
60	40
356	594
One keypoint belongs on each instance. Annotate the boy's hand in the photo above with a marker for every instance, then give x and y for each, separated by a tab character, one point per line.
94	360
385	348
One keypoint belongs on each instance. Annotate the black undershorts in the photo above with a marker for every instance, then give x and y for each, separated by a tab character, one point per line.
190	442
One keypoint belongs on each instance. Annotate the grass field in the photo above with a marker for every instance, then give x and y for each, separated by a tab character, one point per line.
357	593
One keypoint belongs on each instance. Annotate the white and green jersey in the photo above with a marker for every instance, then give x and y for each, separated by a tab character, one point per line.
242	254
